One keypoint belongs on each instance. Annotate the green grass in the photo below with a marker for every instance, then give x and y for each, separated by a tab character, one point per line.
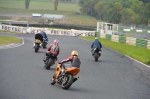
8	40
129	35
39	5
6	31
36	6
70	19
141	54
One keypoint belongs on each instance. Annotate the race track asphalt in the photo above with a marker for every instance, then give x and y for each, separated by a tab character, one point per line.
140	35
114	76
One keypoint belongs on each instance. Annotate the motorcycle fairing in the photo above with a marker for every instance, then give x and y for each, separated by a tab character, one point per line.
58	70
73	71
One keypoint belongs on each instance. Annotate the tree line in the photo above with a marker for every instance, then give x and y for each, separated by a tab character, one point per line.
114	11
117	11
27	3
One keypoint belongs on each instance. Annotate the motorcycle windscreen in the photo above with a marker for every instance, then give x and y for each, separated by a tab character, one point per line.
73	71
39	37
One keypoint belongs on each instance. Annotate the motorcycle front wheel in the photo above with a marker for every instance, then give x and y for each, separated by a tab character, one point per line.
49	63
52	81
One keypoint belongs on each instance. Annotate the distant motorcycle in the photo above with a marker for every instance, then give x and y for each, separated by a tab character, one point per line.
38	42
65	76
50	60
96	53
37	45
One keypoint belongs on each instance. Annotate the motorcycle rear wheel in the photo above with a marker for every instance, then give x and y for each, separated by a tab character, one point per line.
67	82
44	46
96	56
36	47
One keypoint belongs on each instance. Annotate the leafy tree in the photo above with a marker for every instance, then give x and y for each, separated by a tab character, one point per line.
145	1
112	10
88	7
81	2
98	8
55	4
127	15
27	3
145	13
136	19
116	11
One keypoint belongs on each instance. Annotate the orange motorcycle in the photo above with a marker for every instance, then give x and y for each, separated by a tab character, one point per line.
65	76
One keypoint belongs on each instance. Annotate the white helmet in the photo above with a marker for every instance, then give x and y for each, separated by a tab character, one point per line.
96	38
56	41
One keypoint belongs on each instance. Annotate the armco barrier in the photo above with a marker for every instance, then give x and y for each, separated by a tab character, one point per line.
126	30
139	30
134	30
34	30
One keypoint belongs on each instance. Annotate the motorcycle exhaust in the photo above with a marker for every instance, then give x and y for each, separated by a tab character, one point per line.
75	79
33	45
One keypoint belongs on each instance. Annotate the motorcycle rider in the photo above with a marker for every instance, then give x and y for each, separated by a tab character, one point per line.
44	35
53	49
96	43
39	37
74	62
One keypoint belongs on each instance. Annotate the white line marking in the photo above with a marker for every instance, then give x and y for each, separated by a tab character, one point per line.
122	54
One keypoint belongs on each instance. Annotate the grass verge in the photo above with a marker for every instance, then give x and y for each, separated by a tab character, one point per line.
141	54
7	40
129	35
6	31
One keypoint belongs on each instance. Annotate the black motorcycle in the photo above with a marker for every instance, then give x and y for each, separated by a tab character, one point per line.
96	53
50	60
44	44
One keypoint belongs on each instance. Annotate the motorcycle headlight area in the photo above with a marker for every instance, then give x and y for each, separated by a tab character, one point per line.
63	70
95	49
